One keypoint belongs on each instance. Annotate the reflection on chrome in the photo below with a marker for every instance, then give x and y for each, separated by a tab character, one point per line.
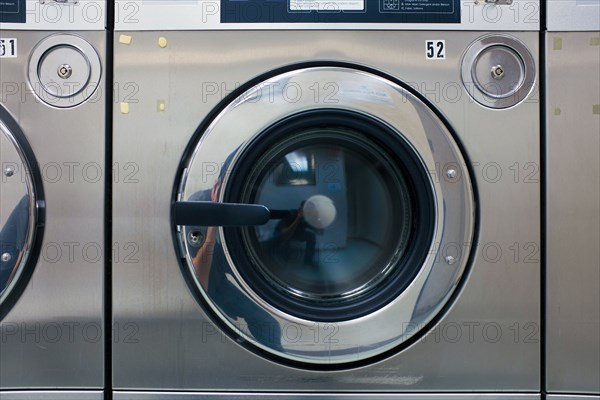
343	213
17	211
13	241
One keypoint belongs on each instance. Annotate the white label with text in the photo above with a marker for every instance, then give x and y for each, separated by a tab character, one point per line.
435	49
8	47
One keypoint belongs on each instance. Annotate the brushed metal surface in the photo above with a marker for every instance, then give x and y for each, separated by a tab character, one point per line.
316	396
51	395
489	339
573	15
571	397
573	212
53	336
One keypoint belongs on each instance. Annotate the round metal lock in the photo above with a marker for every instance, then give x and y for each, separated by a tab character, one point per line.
64	70
498	71
508	72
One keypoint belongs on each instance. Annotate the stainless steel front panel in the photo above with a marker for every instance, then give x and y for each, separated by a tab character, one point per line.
51	395
573	15
571	397
53	336
489	339
314	396
573	212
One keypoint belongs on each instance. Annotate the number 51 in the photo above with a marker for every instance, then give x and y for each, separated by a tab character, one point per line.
8	48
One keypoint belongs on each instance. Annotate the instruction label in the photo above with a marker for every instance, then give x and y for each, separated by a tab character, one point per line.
327	5
341	11
12	11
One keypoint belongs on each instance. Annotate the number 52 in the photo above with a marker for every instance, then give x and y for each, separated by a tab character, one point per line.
435	49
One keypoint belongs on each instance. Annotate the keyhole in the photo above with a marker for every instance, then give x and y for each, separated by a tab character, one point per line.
498	72
65	71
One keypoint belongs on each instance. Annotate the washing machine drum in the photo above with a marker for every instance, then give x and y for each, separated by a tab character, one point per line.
21	211
322	216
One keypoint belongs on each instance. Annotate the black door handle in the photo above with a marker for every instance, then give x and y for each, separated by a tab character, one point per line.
207	213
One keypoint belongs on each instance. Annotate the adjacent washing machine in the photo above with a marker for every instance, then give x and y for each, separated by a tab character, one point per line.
573	199
331	199
52	135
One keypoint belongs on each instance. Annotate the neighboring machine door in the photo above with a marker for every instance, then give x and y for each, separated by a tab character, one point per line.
21	212
52	114
301	218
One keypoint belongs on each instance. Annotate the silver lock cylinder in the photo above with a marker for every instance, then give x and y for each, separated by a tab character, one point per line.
507	71
64	70
498	71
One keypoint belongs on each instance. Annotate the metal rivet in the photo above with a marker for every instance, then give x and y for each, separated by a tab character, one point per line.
451	173
65	71
450	260
9	171
196	238
6	257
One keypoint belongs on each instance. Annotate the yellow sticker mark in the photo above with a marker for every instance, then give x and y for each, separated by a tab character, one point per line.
162	42
125	39
595	41
558	43
161	106
124	108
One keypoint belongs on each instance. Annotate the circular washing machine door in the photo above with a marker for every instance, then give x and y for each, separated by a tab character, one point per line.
323	216
21	211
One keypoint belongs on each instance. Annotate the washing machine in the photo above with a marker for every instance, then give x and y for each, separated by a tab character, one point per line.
573	199
52	124
327	200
